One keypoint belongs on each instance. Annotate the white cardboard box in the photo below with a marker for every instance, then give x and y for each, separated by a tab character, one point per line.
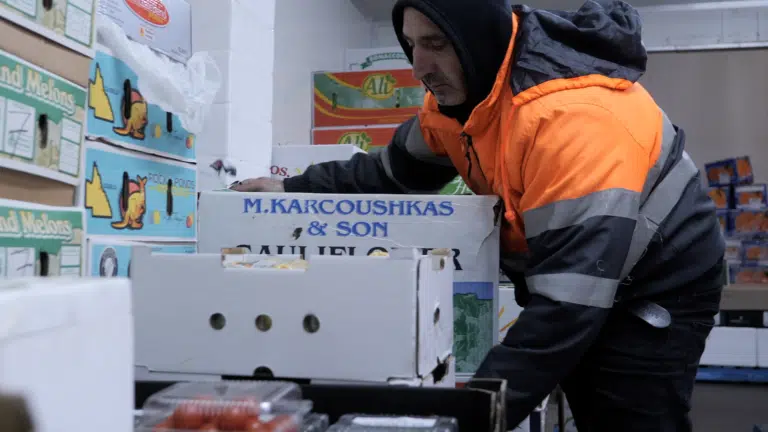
292	160
67	346
762	347
375	319
163	26
330	224
384	58
731	346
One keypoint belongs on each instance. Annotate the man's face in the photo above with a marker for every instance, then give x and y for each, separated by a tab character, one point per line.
435	61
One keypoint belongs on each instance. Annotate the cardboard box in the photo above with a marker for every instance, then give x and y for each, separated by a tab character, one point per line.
762	348
731	346
385	58
216	173
20	186
165	26
365	98
69	350
291	160
329	224
143	126
112	258
722	196
303	322
44	53
152	211
41	121
748	222
67	22
37	240
733	171
367	138
750	196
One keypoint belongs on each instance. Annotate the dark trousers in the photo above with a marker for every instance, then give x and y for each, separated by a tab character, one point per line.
640	378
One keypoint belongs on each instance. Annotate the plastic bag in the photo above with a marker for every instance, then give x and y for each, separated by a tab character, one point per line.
185	90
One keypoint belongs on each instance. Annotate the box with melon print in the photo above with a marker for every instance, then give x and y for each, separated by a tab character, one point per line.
40	240
137	196
365	98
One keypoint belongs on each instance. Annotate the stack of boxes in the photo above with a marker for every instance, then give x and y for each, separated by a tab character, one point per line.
45	50
743	212
140	163
741	336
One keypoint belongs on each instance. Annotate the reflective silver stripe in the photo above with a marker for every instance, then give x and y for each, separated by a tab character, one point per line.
562	214
574	288
668	135
418	147
657	207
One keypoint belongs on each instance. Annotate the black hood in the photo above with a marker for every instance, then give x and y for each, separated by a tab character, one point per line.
602	38
480	31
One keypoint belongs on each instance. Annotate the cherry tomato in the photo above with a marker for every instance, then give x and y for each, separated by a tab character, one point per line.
189	416
209	427
253	424
165	425
233	418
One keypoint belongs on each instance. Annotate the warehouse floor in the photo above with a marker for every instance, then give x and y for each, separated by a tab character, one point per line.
729	407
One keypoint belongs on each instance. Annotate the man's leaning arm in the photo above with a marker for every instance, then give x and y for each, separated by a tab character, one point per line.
406	165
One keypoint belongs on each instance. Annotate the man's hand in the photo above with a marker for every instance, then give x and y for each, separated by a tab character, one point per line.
261	184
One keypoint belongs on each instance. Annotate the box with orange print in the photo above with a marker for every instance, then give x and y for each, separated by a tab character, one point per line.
136	196
733	171
365	98
747	223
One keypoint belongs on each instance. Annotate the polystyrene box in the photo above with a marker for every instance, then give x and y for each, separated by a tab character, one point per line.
366	423
348	318
230	406
66	346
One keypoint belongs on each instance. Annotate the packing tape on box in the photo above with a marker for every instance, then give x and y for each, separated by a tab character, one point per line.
185	90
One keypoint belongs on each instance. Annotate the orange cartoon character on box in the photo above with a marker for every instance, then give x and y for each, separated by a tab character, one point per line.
134	113
133	203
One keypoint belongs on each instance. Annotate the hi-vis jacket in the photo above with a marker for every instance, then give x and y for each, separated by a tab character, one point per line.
602	205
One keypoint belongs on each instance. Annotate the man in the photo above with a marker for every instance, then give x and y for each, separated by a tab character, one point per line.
607	232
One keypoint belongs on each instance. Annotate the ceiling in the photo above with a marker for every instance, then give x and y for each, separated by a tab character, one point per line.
379	10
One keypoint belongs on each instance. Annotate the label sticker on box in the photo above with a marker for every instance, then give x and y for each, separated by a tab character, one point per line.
133	195
41	120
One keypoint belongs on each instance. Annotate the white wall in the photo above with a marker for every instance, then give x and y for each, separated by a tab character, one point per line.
383	35
310	35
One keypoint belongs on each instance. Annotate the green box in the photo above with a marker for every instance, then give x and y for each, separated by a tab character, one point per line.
40	240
